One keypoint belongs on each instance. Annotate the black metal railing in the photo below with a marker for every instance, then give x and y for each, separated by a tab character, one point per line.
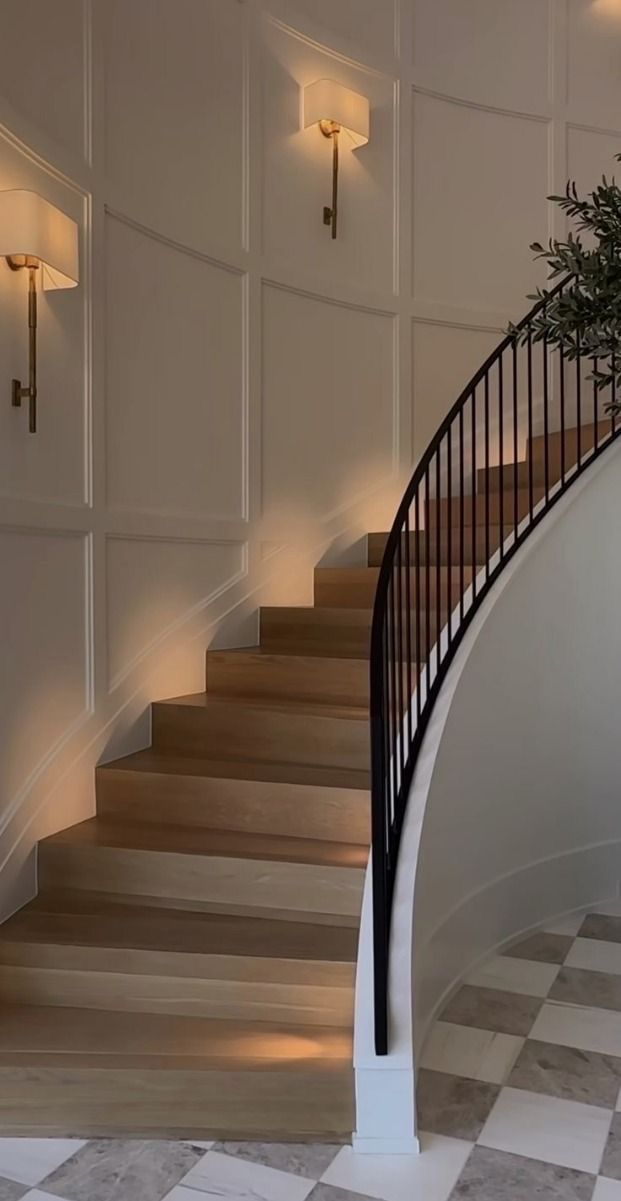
522	431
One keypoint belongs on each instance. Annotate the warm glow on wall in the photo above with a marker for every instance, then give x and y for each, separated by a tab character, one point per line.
608	8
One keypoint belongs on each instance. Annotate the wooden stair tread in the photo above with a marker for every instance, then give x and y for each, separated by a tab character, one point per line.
76	920
220	704
313	775
87	1037
197	840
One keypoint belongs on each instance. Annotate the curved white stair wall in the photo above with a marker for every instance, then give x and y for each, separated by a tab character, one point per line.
515	810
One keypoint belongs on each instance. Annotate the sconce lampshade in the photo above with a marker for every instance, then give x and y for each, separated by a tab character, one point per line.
30	226
327	100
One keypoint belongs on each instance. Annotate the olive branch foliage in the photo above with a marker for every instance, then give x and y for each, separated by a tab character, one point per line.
585	317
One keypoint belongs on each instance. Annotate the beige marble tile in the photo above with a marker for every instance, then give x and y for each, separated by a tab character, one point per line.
466	1051
122	1170
578	987
429	1176
595	955
302	1159
611	1161
452	1105
560	1132
579	1026
522	976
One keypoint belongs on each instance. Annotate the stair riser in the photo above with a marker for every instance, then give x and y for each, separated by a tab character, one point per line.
322	638
377	544
261	734
40	1099
245	1000
333	589
497	504
263	886
331	681
254	806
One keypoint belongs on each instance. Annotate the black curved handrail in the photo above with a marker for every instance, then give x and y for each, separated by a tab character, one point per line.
524	391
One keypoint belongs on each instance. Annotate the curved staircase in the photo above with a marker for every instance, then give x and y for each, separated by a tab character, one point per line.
188	965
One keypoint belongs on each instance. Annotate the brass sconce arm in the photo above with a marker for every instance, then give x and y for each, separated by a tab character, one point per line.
331	129
19	392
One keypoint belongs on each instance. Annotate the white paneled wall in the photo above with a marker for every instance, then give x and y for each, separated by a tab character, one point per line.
228	383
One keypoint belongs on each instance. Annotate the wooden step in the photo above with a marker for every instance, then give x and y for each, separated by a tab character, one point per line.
587	442
260	874
253	671
485	508
428	546
321	631
250	728
95	1074
355	587
113	955
302	800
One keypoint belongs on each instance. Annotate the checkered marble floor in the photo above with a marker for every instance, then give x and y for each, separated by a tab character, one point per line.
519	1098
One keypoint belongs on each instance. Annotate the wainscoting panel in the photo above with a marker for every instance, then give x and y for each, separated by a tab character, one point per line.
367	24
189	574
591	154
480	183
174	104
488	52
44	617
593	61
45	65
175	396
328	400
445	357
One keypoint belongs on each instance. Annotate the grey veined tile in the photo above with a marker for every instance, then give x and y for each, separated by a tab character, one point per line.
579	986
598	925
10	1190
329	1192
498	1176
452	1105
122	1170
542	948
611	1161
567	1072
493	1009
302	1159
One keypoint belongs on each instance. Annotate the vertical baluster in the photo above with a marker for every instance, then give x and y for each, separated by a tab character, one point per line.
393	694
400	655
473	435
417	590
427	581
546	420
380	877
387	727
408	633
438	554
613	393
529	355
449	524
595	410
579	402
516	508
501	436
461	519
486	476
561	368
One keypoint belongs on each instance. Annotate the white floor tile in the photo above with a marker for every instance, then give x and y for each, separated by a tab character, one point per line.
562	1132
579	1026
465	1051
515	975
30	1160
595	955
607	1190
430	1176
37	1195
196	1142
569	924
217	1175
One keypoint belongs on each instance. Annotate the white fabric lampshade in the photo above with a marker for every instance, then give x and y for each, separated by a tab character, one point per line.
31	226
327	100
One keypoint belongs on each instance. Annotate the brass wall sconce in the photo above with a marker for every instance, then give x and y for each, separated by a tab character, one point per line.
336	109
37	237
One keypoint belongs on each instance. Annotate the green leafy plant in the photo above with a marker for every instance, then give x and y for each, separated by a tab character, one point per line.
585	317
